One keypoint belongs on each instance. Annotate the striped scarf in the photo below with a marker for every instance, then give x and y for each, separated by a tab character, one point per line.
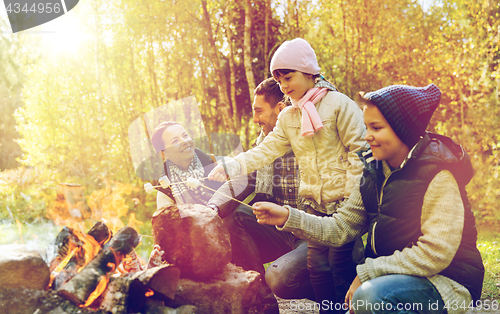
182	192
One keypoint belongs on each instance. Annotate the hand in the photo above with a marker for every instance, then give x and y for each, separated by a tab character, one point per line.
348	297
270	213
217	174
155	259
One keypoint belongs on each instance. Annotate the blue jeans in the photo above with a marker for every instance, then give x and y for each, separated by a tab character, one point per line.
288	276
397	294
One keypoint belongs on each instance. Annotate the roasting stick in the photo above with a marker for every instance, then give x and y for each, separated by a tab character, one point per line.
206	187
172	183
149	187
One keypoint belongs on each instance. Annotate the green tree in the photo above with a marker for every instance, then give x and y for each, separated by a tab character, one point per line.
10	91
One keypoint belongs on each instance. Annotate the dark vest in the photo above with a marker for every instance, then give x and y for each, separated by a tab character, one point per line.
395	221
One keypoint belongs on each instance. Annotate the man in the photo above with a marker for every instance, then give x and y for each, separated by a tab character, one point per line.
253	244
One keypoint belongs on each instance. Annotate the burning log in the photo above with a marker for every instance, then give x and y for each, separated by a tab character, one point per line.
88	284
87	247
142	284
68	239
100	232
62	245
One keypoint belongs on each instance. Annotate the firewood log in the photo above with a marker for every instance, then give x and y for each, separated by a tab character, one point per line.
60	247
128	292
79	288
100	233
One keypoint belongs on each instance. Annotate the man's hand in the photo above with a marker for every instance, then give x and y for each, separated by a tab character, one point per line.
270	213
217	174
348	297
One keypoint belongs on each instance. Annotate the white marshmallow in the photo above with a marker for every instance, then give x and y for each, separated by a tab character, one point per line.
193	183
164	182
148	187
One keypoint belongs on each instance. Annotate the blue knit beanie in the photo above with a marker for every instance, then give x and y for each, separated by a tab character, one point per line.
407	109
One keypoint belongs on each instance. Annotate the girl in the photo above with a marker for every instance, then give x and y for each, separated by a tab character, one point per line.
421	254
325	130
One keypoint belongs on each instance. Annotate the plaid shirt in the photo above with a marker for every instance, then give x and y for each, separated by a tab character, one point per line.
286	180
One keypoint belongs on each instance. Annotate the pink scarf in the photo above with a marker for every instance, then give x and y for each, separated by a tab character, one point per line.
311	121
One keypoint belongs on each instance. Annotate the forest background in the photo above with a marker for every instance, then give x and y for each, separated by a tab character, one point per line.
70	89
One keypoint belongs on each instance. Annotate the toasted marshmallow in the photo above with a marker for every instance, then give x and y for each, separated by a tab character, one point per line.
193	183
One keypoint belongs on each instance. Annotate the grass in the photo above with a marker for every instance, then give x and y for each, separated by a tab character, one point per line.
489	246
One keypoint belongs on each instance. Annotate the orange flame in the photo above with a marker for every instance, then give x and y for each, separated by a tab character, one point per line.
61	265
72	209
90	247
101	286
149	293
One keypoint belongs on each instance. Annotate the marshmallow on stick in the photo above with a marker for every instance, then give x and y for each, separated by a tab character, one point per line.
164	182
193	183
148	187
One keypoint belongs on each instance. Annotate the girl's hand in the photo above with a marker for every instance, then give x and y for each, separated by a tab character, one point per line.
270	213
217	174
348	297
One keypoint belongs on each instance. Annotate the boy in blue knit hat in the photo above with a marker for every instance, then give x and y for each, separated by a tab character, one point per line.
421	254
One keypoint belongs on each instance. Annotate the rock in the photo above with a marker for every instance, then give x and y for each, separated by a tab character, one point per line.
194	239
156	307
233	291
22	266
20	300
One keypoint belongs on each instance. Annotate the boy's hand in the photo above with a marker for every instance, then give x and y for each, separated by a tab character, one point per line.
270	213
217	174
348	297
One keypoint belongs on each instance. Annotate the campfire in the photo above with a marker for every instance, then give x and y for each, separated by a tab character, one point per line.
95	269
99	270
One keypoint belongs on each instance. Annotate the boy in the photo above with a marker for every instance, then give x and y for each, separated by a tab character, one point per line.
421	247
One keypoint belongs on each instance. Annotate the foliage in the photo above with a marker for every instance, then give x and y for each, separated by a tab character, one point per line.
73	109
25	193
10	85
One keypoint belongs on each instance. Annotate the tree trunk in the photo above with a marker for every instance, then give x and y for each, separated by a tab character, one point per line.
266	38
220	79
346	45
232	69
247	49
